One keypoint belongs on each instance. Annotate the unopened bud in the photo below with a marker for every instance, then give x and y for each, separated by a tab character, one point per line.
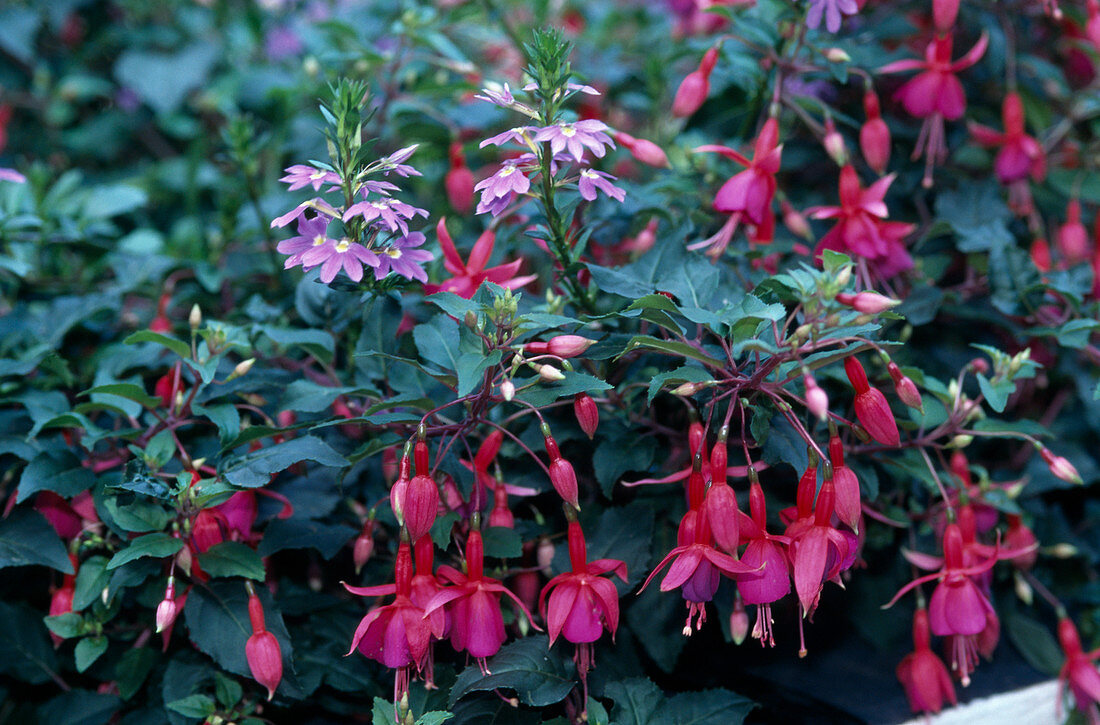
739	621
905	388
588	414
817	401
568	345
545	555
869	303
1060	467
1062	551
470	319
1023	589
834	143
508	390
960	441
549	373
242	369
195	318
688	389
836	55
844	276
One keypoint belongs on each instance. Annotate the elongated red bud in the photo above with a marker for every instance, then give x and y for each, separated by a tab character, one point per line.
501	515
1072	237
587	412
905	388
944	13
1060	467
869	303
644	151
167	610
400	488
719	457
696	437
421	458
1092	25
871	407
1040	255
459	181
262	650
795	221
721	510
568	345
487	453
421	505
874	135
691	94
363	547
817	401
562	475
845	486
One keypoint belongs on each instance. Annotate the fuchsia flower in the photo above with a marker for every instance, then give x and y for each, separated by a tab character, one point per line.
935	94
874	135
748	194
1020	155
262	650
693	90
587	413
1072	237
860	230
1078	672
763	550
720	504
562	475
871	407
923	675
468	276
818	551
421	502
474	602
846	486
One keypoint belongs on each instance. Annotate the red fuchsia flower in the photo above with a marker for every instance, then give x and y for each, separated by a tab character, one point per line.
817	551
1020	155
944	13
767	551
860	230
587	413
923	675
1078	672
694	88
1072	237
871	407
874	134
845	486
67	518
747	195
562	475
422	588
397	634
935	94
459	181
1022	538
468	276
474	604
582	604
262	650
209	527
644	151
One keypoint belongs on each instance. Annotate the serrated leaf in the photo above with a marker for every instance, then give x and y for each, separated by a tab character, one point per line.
636	699
527	667
88	650
232	558
256	468
158	545
57	471
136	478
197	705
27	539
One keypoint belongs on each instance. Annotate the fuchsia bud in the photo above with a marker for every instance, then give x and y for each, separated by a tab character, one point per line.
834	143
644	151
459	181
501	515
265	658
401	487
905	387
167	610
871	407
817	401
869	303
923	675
207	529
874	135
568	345
487	453
588	414
562	475
1072	237
421	499
1019	536
845	485
1040	255
544	555
694	88
795	221
739	621
1060	467
363	547
944	13
720	504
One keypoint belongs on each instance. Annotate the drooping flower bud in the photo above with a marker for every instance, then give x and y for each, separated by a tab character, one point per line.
1072	237
905	387
834	143
501	515
549	373
508	390
1060	467
1040	255
568	345
869	303
644	151
739	620
1019	536
694	88
817	401
720	506
944	13
562	475
874	135
401	487
264	655
421	505
363	547
795	221
459	181
488	450
588	414
167	609
847	503
871	407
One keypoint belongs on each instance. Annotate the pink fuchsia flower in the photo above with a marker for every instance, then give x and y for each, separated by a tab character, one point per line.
767	551
1078	672
644	151
871	407
299	176
311	233
832	10
860	230
1072	237
474	603
574	138
817	550
590	180
403	257
344	254
1020	155
923	675
693	90
468	276
262	650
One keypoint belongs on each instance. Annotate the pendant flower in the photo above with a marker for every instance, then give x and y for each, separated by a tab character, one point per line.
468	276
923	675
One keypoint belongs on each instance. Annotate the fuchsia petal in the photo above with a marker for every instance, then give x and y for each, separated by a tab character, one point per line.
377	591
364	625
725	151
683	568
561	603
809	556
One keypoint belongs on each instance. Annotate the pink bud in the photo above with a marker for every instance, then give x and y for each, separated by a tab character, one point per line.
568	345
501	515
167	609
905	387
1060	467
487	453
694	88
817	401
363	547
944	13
869	303
588	414
794	221
421	505
265	658
1072	237
507	390
562	475
400	488
721	510
544	555
871	407
874	135
739	621
834	143
1020	537
644	151
1040	255
459	182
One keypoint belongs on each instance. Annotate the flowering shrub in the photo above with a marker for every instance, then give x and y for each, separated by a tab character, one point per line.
447	362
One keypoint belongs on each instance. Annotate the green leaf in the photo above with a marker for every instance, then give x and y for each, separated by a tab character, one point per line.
88	650
26	652
526	666
65	626
158	545
437	341
256	468
453	305
228	691
130	391
232	558
163	80
104	202
79	707
636	699
545	393
977	215
682	374
709	707
57	471
225	416
471	369
133	668
179	347
316	342
136	478
27	539
198	706
671	347
996	393
618	282
1034	642
502	543
299	533
91	580
308	397
610	464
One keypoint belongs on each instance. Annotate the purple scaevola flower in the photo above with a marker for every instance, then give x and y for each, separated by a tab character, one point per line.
503	98
403	257
574	87
392	212
574	137
395	162
311	234
495	205
507	180
334	255
518	135
590	180
832	10
317	204
299	176
282	42
377	187
13	176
